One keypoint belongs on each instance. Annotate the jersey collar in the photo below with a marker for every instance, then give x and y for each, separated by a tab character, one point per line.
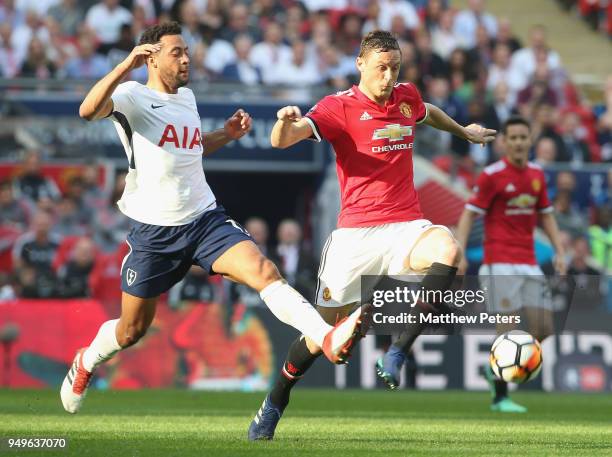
364	98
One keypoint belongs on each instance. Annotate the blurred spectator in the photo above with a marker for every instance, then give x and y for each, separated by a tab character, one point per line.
10	57
537	92
544	124
93	193
600	235
317	5
31	183
506	36
604	123
443	38
545	151
429	62
111	225
468	20
33	27
339	69
585	278
68	221
501	71
219	54
195	286
568	217
12	211
296	22
117	52
106	18
74	275
348	38
37	64
238	23
7	292
267	11
197	69
33	255
60	48
524	61
296	264
573	149
242	70
433	15
75	191
500	109
389	9
190	23
439	95
10	14
300	71
69	15
480	55
271	52
40	6
604	197
258	228
371	20
88	64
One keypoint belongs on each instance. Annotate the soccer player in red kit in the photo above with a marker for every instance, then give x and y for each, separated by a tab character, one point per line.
511	195
381	229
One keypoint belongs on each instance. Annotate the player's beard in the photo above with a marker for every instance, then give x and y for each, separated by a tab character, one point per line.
182	80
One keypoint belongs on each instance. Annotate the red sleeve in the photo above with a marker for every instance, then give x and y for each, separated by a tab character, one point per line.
543	205
327	118
483	195
413	97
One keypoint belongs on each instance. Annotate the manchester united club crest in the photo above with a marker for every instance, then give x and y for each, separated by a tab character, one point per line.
326	294
405	109
536	184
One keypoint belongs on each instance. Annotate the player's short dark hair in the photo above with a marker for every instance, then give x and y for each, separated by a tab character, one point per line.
153	34
378	40
515	120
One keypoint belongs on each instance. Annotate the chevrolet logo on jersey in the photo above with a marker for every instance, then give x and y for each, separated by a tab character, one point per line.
392	132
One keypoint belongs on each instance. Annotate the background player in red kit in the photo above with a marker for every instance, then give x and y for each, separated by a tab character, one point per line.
511	194
381	229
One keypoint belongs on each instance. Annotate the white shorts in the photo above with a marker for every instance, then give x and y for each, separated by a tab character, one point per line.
510	287
350	253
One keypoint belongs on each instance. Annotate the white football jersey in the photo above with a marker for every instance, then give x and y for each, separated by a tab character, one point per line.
161	136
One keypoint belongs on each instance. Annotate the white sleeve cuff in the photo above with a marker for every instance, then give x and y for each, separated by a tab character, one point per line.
475	209
548	209
426	115
313	126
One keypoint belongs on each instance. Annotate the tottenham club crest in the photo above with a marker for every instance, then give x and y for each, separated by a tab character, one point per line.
130	276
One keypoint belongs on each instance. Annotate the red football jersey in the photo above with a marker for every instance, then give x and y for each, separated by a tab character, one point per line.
373	147
510	198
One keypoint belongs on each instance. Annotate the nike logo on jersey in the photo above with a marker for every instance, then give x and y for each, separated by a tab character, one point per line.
156	106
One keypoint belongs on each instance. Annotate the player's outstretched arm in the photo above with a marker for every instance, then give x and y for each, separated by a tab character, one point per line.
98	103
290	128
473	133
238	125
464	227
550	227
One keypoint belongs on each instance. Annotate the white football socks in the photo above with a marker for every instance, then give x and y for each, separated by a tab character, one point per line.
103	347
290	307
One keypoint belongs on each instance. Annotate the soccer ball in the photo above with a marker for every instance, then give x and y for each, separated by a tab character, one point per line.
516	356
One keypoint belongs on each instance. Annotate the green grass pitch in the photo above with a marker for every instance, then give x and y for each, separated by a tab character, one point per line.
318	422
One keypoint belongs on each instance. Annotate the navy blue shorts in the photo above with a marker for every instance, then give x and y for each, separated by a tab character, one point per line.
160	256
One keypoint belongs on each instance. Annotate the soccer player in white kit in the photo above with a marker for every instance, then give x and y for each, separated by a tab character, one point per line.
176	221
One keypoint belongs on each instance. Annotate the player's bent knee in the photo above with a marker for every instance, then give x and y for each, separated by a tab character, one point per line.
264	274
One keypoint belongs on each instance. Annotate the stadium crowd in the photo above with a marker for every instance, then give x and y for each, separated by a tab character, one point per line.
596	13
467	62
